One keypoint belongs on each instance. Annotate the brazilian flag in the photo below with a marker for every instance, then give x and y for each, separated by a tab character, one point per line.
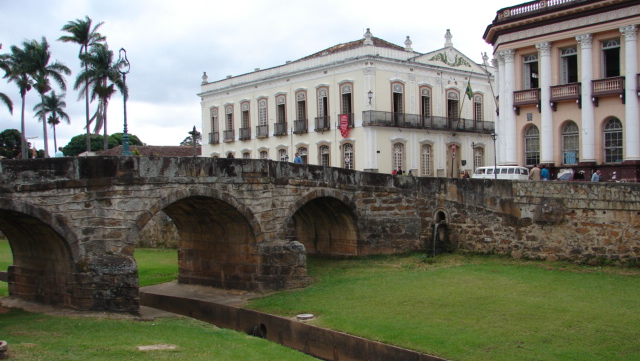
469	92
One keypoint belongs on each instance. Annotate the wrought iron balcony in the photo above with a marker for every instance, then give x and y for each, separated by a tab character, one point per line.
245	133
280	129
322	124
262	131
416	121
300	126
349	117
214	138
229	135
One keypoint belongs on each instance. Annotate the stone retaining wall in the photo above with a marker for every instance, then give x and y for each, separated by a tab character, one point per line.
583	222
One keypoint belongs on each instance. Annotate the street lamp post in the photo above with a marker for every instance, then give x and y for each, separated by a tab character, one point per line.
123	68
473	156
494	136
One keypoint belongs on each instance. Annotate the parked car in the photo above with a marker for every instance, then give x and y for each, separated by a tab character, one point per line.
502	172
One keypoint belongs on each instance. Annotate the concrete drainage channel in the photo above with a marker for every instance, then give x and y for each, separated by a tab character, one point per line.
312	340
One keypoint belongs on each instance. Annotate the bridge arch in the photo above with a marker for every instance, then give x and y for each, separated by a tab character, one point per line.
325	222
218	237
43	248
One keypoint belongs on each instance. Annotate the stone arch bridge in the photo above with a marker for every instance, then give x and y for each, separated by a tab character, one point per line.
72	223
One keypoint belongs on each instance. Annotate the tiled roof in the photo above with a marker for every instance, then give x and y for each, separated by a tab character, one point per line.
153	150
352	45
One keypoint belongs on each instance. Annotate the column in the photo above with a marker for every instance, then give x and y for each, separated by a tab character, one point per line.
546	122
587	151
510	134
498	78
632	128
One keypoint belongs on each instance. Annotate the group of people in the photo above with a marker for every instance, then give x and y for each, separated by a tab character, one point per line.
540	172
399	171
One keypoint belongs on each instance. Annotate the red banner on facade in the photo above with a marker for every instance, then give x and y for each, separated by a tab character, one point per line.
344	125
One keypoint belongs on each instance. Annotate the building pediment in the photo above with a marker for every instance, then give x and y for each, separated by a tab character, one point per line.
449	57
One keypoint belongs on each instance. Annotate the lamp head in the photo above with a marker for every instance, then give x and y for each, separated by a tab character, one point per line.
123	64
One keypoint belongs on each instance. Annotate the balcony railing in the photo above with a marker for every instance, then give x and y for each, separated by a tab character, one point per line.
349	117
607	87
262	131
280	129
245	133
323	123
416	121
565	92
229	135
214	138
531	7
300	126
526	97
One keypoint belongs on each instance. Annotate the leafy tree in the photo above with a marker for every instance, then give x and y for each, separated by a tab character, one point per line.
189	140
11	145
102	76
133	140
10	142
43	71
83	34
18	66
53	105
77	144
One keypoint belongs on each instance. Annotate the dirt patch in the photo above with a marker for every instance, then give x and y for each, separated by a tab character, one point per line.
146	313
156	347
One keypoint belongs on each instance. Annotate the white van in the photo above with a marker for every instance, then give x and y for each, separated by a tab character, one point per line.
502	172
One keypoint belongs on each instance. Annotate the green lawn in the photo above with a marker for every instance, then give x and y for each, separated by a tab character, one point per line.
156	265
454	306
6	259
36	337
475	307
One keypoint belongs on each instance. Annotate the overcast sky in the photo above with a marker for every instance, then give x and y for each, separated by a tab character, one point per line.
171	43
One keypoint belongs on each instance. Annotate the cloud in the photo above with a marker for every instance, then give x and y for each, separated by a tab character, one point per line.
171	44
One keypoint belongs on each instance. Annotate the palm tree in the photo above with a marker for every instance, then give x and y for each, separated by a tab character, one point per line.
4	97
42	71
82	33
53	105
102	76
7	101
16	66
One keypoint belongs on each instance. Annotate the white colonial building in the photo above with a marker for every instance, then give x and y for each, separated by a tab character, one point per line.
368	105
568	85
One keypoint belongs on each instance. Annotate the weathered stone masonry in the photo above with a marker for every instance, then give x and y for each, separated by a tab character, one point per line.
72	223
